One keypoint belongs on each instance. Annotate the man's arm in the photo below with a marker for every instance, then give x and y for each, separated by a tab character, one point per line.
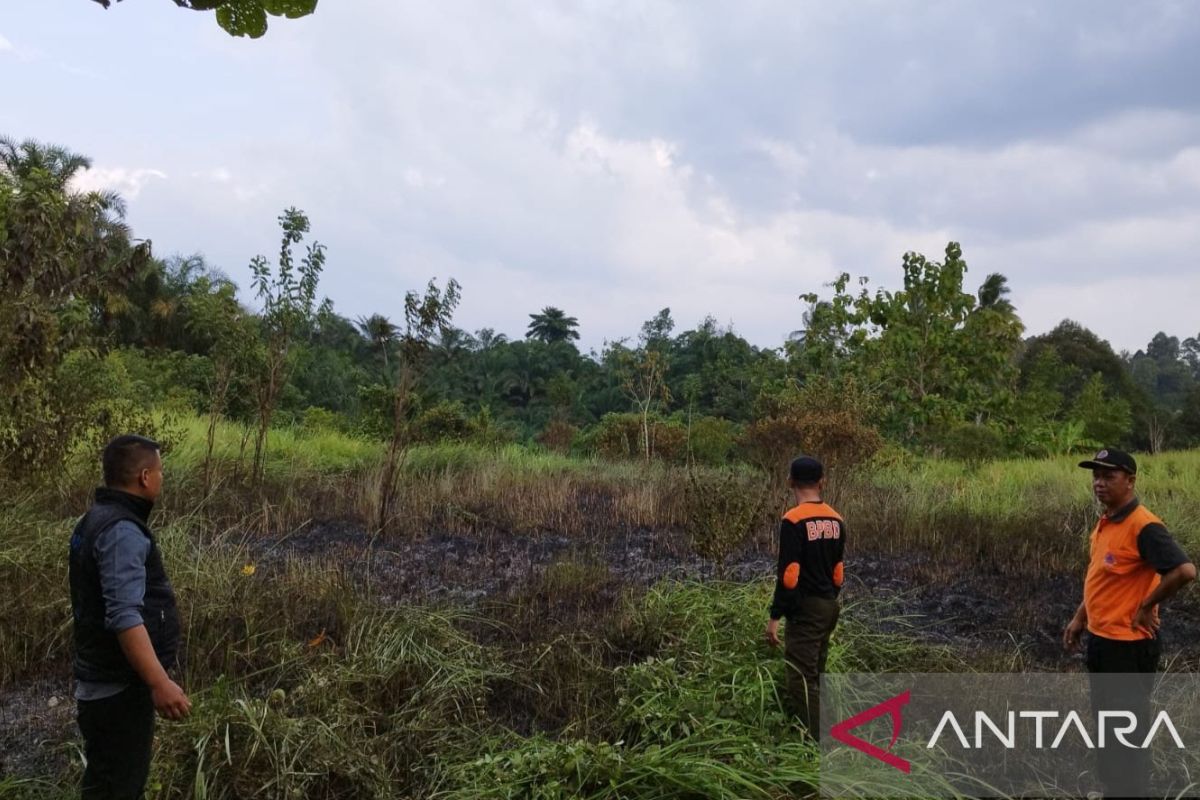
121	555
789	552
1156	545
168	697
1075	629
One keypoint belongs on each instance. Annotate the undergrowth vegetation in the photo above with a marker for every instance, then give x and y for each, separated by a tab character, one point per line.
307	683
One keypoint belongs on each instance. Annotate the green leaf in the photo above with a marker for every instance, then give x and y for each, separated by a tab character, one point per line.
243	18
292	9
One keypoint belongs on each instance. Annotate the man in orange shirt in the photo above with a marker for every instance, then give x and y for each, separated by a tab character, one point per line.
812	540
1135	565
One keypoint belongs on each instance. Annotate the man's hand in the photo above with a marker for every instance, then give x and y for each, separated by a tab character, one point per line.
1072	632
1146	621
169	700
773	633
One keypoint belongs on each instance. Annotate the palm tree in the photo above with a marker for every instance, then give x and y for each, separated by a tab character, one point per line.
487	338
552	325
23	160
99	254
993	294
381	332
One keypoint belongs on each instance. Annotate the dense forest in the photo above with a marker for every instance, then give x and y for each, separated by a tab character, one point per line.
99	333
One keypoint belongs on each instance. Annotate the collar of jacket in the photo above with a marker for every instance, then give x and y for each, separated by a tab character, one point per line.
140	506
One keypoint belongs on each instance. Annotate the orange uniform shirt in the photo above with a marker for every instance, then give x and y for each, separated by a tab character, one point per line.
1129	551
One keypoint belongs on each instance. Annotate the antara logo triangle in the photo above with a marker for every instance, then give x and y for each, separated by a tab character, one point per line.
892	707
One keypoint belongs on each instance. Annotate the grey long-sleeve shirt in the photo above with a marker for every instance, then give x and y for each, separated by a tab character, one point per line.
121	554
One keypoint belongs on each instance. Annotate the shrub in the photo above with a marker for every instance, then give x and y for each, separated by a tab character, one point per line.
973	444
558	436
712	440
723	508
619	436
823	418
442	422
74	412
488	431
317	419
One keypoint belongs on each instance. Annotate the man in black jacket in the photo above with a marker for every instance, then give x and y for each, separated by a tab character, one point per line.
808	580
126	626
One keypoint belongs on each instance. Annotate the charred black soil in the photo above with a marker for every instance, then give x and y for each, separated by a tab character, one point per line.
543	586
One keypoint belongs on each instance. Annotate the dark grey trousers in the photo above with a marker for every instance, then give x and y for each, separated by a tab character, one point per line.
806	648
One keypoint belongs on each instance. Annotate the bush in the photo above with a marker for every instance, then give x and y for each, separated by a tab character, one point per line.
973	444
487	431
823	418
619	436
557	436
172	378
442	422
712	440
316	420
73	413
723	508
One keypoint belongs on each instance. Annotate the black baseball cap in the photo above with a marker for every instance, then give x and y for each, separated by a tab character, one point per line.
806	469
1112	459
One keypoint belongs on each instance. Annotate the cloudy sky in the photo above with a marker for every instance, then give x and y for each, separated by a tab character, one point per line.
612	157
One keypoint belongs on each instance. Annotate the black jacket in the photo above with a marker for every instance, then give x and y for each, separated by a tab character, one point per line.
812	543
98	654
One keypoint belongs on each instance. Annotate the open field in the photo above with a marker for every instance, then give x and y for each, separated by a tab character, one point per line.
536	626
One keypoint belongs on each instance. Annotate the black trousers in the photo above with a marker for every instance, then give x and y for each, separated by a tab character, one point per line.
1124	771
806	648
118	733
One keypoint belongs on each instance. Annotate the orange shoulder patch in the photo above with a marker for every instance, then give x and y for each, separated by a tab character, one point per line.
791	575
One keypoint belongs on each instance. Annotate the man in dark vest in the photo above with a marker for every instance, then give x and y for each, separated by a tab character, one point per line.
126	626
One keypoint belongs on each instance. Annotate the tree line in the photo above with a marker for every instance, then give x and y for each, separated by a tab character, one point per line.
97	332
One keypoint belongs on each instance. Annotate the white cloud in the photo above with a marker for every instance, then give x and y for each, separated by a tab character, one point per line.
416	178
128	182
5	45
614	158
214	175
1126	310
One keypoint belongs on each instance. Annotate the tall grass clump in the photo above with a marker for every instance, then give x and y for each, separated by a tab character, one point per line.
35	606
369	717
701	717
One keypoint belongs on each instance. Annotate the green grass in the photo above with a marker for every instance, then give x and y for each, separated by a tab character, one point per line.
1169	483
305	687
291	451
925	492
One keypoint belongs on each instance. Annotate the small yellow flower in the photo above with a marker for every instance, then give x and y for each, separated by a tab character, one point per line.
248	570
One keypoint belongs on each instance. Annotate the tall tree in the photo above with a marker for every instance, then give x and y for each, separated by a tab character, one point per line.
64	255
993	293
381	332
288	296
1081	354
235	352
425	316
552	325
643	377
656	331
935	355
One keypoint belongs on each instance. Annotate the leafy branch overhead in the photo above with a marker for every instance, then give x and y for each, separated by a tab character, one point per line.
244	17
